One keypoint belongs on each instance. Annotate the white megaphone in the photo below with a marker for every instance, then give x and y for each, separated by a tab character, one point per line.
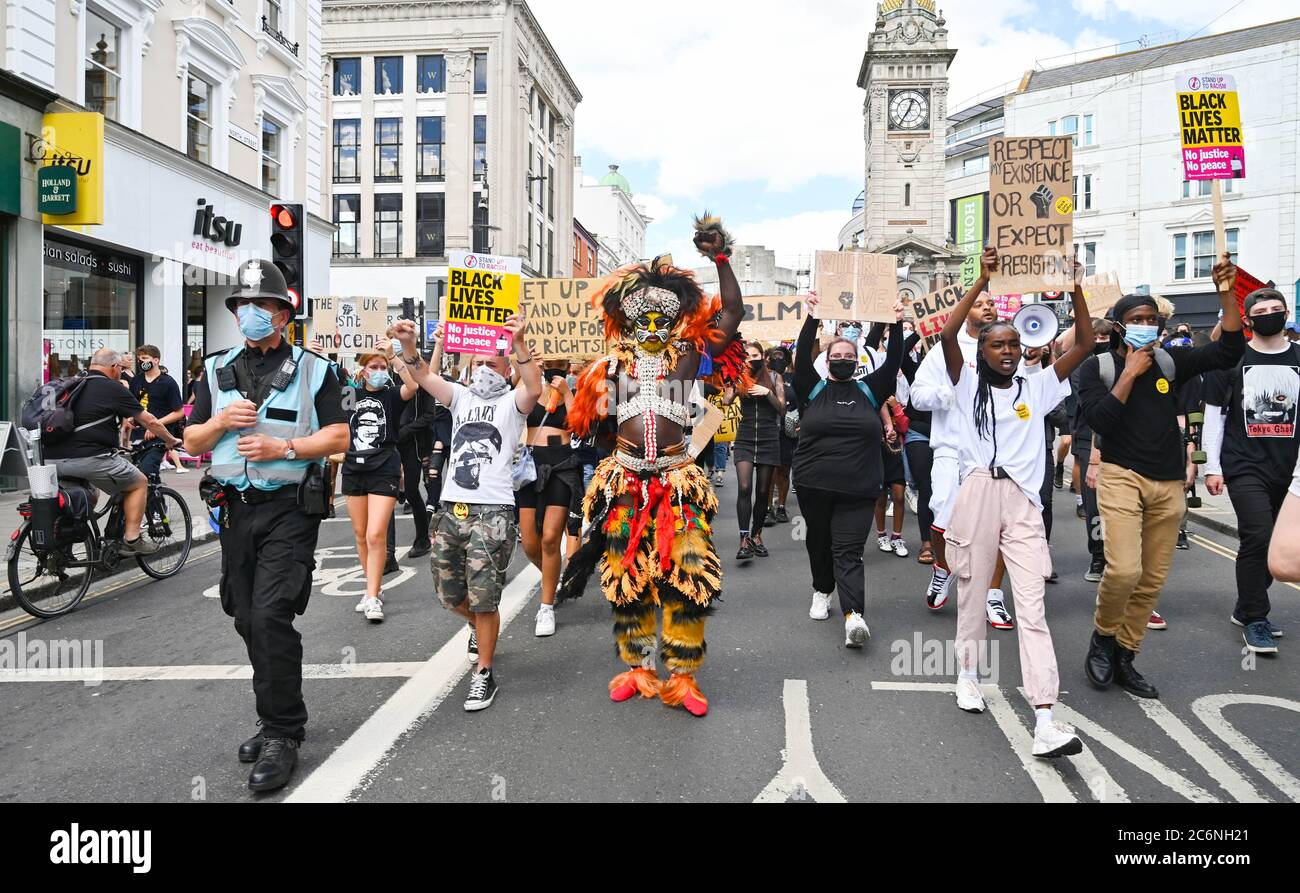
1037	325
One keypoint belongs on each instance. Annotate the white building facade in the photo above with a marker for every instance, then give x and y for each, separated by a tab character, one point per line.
212	104
757	272
450	127
609	210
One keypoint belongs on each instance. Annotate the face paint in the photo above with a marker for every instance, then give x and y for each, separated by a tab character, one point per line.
653	331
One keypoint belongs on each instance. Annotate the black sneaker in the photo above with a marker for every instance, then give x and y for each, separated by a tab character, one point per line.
274	765
482	691
782	516
746	549
1182	540
1058	479
770	520
473	644
1096	568
1080	512
1274	631
420	549
759	549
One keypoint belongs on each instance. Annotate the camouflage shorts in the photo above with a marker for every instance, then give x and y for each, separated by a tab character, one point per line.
470	556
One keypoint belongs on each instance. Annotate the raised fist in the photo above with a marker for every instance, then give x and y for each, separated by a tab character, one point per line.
1042	199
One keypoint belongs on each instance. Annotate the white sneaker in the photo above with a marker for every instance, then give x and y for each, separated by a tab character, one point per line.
182	470
937	595
969	696
997	611
1056	739
883	543
856	631
912	500
821	606
167	466
374	610
361	605
545	625
899	547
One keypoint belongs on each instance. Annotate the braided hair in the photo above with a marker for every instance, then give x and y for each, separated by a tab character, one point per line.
986	422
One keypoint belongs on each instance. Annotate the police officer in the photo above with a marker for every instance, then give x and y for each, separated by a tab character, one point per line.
269	413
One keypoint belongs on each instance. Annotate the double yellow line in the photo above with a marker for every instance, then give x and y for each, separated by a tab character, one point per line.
1219	549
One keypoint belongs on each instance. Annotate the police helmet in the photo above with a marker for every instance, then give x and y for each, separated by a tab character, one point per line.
260	280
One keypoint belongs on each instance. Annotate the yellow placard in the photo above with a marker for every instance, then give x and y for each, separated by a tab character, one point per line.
482	293
76	139
730	426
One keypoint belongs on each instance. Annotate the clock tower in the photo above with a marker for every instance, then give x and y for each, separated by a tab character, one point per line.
905	75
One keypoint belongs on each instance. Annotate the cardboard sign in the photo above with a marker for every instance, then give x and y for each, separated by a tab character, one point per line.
350	326
930	313
855	285
708	419
1209	125
1103	292
482	293
1031	213
773	318
562	323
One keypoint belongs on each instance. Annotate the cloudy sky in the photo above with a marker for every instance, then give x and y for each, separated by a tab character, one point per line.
752	108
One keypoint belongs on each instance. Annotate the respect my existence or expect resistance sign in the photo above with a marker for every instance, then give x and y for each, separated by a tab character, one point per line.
1031	220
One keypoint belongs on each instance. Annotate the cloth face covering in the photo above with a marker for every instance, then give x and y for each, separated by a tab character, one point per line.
488	383
842	370
1268	324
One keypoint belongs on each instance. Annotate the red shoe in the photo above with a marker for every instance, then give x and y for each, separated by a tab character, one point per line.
1157	622
681	691
626	686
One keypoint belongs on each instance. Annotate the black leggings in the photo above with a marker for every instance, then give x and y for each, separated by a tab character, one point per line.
412	475
746	504
920	457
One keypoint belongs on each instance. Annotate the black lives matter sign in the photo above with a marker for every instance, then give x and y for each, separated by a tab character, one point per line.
1031	213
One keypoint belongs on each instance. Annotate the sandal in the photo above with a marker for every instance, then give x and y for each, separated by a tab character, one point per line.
926	555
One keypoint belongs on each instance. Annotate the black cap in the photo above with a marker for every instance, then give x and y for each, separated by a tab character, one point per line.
1263	294
260	280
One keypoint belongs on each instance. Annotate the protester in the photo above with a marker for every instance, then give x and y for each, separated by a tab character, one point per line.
1000	409
893	478
1087	456
161	396
838	474
1251	447
474	534
780	364
868	358
415	446
1130	404
757	451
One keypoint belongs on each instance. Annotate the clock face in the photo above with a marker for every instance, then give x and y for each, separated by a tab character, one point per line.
909	110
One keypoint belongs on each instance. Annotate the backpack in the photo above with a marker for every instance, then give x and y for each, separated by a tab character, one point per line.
1106	365
50	409
862	386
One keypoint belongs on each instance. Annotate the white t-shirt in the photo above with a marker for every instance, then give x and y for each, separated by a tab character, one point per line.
868	361
1021	412
484	435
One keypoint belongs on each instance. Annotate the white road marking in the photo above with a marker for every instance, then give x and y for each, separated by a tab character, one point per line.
801	776
357	759
216	672
1051	787
1210	711
1103	787
1218	768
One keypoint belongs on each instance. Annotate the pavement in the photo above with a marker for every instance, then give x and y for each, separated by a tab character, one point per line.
154	695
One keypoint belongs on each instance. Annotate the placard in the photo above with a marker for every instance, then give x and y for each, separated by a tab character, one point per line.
773	318
351	326
930	313
708	419
856	285
1031	213
1008	305
969	234
730	426
1209	125
1102	292
562	323
482	293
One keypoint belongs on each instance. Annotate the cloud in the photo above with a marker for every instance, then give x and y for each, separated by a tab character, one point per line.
658	210
1188	16
796	237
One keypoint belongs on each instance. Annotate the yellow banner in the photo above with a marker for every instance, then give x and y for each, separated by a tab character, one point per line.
76	139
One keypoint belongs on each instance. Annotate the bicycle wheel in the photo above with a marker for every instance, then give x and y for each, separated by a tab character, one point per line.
167	523
43	584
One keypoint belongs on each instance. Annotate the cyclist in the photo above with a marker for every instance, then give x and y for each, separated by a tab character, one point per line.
91	454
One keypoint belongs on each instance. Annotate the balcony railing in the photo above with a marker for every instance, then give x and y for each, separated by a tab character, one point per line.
975	130
279	38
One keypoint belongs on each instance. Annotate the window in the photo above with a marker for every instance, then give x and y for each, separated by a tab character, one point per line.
1083	200
1069	126
273	15
977	165
271	138
1087	131
431	74
430	224
347	77
480	145
537	184
428	149
388	74
347	146
1203	188
388	149
103	66
550	193
481	231
198	104
907	195
1203	254
1087	255
388	224
480	74
347	215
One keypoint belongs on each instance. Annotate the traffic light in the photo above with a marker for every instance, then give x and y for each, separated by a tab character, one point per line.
288	252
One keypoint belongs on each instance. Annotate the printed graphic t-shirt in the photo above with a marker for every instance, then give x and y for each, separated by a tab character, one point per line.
1259	436
484	435
373	427
1020	411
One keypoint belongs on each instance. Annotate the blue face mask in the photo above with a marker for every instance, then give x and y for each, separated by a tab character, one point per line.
255	322
378	380
1140	336
853	333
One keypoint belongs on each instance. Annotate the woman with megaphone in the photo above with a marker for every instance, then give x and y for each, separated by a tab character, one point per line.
1000	411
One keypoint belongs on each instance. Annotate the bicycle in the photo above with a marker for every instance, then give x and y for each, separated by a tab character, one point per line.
44	579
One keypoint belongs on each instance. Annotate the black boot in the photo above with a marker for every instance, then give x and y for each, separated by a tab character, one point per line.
1099	665
249	750
275	765
420	549
1128	677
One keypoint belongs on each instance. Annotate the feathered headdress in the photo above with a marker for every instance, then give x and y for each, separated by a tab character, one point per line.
657	285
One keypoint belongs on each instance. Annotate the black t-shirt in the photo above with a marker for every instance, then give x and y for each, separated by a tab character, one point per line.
160	397
374	425
100	397
1142	435
329	397
1259	433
